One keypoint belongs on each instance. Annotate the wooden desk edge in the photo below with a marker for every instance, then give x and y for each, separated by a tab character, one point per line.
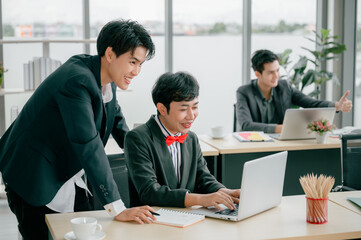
234	150
52	233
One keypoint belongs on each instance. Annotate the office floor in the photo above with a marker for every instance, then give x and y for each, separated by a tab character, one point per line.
8	223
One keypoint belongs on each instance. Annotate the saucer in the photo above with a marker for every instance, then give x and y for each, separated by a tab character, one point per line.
218	137
96	236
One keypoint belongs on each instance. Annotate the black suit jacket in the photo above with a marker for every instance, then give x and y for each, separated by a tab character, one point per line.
249	105
61	129
151	168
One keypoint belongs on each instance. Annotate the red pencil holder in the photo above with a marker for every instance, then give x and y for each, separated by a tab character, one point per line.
317	210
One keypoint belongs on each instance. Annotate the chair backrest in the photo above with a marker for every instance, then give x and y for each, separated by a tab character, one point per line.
234	118
120	174
351	160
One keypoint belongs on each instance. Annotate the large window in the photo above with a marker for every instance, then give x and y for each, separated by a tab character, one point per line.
281	24
208	44
136	103
38	20
357	103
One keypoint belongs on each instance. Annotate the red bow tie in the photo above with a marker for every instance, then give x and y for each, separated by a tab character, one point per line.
170	139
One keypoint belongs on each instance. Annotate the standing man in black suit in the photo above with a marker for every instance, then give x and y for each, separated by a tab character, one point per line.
63	128
261	104
164	158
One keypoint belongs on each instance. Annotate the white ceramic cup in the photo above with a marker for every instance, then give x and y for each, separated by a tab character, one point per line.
85	227
217	132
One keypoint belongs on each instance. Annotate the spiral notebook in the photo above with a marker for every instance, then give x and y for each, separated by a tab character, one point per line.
177	218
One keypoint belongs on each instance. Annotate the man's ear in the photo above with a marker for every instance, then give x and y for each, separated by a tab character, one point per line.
109	54
161	109
258	74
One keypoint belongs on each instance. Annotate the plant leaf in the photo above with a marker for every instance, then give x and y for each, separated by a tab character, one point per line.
308	78
325	33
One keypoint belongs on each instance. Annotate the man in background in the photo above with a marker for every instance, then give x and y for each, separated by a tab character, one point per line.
164	157
261	104
61	132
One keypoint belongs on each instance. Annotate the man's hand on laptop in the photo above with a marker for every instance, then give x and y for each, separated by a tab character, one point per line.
216	198
225	196
234	193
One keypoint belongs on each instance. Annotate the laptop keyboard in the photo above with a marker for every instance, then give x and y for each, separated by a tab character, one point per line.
229	212
274	135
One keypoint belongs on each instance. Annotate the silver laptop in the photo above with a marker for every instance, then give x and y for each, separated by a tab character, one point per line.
261	188
296	121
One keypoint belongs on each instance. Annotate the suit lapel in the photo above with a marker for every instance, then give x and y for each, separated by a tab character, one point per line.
163	153
278	105
258	98
186	160
104	122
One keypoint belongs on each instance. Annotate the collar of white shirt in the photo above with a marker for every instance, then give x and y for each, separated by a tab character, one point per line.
107	93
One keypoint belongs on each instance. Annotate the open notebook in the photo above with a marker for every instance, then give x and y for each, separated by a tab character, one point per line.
177	218
252	136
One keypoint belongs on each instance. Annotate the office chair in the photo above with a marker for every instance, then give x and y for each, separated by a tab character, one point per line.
120	175
350	163
234	118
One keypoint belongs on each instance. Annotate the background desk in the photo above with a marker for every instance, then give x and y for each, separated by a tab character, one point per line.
112	148
340	198
283	222
304	156
113	151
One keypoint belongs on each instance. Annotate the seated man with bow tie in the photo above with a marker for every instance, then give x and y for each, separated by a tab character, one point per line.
164	158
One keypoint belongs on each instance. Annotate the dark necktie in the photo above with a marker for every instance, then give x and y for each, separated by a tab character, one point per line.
170	139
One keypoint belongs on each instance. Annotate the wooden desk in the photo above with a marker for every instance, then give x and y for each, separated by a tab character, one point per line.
340	198
208	150
283	222
304	156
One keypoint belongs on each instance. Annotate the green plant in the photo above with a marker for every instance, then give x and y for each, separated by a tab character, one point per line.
2	70
326	49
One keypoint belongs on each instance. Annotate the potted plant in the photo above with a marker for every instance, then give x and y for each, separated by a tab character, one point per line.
326	49
2	70
321	128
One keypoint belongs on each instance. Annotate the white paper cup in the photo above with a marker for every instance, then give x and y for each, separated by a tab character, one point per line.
85	227
217	132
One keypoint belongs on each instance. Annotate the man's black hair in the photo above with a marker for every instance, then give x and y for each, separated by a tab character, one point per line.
177	87
260	57
124	36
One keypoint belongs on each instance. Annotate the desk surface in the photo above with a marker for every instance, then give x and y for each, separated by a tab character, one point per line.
285	221
230	144
340	198
112	148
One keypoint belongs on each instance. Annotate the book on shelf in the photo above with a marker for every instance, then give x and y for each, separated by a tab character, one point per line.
177	218
43	73
26	76
38	70
252	136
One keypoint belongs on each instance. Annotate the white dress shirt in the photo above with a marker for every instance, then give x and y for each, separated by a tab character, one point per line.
67	191
174	149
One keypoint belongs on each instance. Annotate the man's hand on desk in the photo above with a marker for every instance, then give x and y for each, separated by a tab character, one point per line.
138	214
278	128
